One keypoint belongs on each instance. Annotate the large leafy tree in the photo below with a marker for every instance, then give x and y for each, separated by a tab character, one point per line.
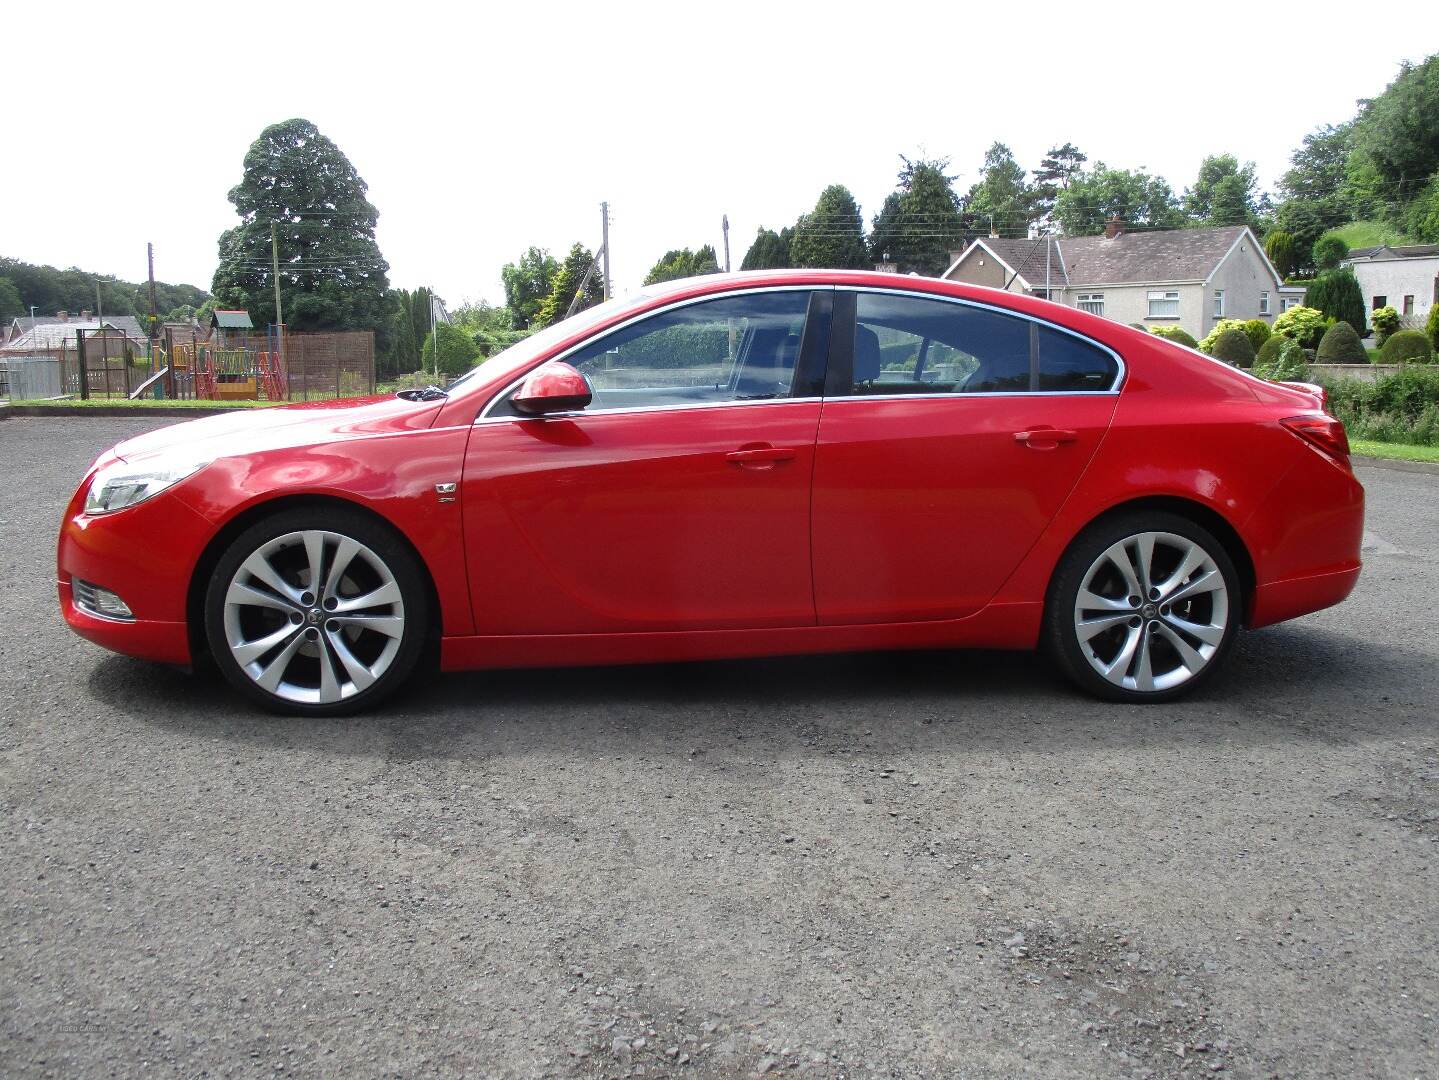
11	304
682	263
1133	195
527	284
1002	199
1224	193
832	234
1279	247
1397	134
921	221
770	250
885	229
1056	170
566	283
332	276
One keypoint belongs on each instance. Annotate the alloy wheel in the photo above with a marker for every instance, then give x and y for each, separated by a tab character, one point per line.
1151	612
313	617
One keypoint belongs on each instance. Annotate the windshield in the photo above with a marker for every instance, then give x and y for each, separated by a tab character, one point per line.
523	352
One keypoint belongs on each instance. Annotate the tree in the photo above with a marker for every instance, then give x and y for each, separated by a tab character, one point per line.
566	283
1421	217
1133	195
1224	192
1336	293
770	250
884	232
1279	247
527	283
921	221
1328	251
832	234
11	305
1057	169
1001	198
411	326
458	351
1395	132
492	326
682	263
332	276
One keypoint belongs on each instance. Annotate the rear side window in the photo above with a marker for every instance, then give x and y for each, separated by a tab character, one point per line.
914	345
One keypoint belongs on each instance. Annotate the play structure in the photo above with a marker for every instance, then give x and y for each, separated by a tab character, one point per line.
216	371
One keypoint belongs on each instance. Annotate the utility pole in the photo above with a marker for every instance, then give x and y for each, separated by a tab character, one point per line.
275	276
154	314
99	307
724	224
605	243
434	337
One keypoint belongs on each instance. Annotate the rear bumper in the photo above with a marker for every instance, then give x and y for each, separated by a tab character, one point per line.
1280	600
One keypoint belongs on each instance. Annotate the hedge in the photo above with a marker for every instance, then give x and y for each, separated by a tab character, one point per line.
1176	334
1399	408
1341	345
1232	346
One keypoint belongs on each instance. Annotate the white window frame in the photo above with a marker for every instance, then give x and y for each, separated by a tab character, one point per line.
1169	299
1264	303
1219	303
1287	302
1090	302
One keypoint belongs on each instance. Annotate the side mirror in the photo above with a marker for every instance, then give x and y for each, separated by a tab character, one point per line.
551	388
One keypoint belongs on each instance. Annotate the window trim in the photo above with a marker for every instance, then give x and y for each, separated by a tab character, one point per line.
1093	298
485	414
1218	300
1264	308
841	346
1161	296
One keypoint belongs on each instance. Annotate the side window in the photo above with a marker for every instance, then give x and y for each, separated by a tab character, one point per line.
733	348
910	345
1071	364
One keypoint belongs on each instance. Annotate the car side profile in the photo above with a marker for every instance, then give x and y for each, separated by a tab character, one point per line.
775	462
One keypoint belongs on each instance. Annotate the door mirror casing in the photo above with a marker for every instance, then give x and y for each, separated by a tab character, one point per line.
553	388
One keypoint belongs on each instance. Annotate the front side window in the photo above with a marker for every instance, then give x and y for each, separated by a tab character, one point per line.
1219	303
1164	304
733	348
911	345
1092	303
1264	303
1409	305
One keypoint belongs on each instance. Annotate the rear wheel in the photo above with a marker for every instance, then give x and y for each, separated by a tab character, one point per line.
317	613
1143	608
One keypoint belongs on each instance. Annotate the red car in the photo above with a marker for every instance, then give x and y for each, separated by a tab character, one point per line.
743	465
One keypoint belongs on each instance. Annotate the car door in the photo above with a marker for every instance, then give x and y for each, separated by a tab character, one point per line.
951	434
679	499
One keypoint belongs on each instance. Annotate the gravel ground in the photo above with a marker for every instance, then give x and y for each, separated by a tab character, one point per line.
888	865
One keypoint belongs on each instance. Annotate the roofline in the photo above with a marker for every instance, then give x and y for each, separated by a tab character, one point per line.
979	241
1246	231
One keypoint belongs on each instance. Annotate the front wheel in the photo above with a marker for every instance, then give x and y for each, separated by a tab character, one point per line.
1143	608
317	613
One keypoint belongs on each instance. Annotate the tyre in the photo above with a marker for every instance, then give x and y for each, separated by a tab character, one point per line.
317	612
1143	607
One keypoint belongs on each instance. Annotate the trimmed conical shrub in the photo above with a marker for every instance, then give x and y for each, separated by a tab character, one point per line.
1341	345
1269	351
1176	334
1405	346
1232	346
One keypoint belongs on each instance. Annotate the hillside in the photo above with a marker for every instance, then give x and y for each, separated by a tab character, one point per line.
50	290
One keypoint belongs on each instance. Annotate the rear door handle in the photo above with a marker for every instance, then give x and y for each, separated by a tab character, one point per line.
1045	438
760	457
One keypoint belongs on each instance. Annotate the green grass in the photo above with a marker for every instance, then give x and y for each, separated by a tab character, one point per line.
1362	234
1397	451
141	404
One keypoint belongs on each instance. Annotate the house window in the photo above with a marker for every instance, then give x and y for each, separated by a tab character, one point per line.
1289	302
1379	302
1264	303
1164	305
1219	303
1092	302
1409	305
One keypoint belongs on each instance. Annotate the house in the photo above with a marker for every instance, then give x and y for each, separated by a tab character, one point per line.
60	330
1151	277
1404	277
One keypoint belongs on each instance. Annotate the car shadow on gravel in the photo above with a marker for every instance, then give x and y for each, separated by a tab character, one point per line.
790	705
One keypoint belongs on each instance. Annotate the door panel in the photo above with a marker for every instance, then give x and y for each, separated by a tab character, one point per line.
633	521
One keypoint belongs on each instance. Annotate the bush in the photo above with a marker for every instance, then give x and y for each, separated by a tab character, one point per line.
1406	345
1279	246
1385	321
1302	324
1258	332
1337	294
1207	345
1403	407
1431	328
1176	334
1328	251
1269	351
1289	362
1232	346
1341	345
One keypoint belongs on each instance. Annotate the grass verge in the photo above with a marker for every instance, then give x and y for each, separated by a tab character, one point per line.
1395	451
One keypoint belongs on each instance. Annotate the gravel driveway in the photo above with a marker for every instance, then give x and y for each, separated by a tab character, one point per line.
895	865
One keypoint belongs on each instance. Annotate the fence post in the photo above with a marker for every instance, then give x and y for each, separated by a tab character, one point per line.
84	370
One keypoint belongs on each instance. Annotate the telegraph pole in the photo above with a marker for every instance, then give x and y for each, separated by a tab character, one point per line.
605	243
724	224
99	307
154	315
275	275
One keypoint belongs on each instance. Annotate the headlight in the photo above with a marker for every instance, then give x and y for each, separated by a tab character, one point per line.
121	483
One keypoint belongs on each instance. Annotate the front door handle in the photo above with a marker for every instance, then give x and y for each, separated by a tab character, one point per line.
760	457
1045	438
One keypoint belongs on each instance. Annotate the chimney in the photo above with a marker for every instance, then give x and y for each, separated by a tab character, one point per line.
1113	227
62	316
84	315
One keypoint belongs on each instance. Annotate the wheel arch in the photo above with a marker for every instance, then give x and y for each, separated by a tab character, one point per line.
225	535
1202	515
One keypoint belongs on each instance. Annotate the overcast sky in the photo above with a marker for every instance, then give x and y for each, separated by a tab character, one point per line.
485	128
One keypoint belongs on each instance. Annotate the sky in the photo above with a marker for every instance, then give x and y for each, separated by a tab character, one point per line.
483	129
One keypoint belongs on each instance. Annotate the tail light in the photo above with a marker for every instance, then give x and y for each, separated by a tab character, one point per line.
1322	431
